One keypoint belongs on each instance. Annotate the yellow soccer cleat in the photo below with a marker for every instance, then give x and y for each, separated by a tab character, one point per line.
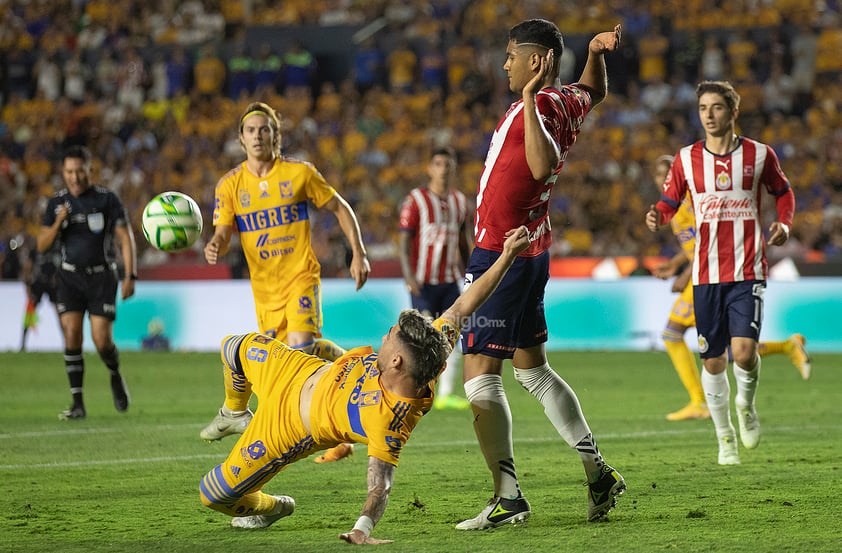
797	352
451	402
335	454
691	411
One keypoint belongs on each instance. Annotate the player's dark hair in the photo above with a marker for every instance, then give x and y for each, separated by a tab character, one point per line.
724	89
427	347
539	32
78	152
444	151
274	122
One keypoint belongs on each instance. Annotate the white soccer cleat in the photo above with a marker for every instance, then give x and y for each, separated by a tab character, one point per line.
224	424
284	508
728	453
749	425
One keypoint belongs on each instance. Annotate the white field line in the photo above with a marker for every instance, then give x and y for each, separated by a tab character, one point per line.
411	444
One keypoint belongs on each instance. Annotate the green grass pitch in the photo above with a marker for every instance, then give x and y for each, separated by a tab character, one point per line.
129	482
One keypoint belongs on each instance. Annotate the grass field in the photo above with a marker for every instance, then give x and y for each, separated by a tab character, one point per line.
128	482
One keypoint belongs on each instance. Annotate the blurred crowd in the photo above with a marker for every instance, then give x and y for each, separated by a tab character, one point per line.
155	89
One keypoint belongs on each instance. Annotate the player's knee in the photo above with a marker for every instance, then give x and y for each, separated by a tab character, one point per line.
670	334
306	347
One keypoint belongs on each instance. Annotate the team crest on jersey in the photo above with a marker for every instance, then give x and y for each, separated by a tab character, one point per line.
264	188
286	189
723	181
245	198
367	399
703	344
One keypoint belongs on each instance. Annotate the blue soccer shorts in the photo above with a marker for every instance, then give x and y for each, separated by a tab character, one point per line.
513	317
725	311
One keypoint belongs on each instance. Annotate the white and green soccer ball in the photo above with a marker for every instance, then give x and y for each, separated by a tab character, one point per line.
172	221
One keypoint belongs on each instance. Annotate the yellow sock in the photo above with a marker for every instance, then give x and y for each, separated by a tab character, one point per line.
256	503
685	365
237	390
768	348
327	350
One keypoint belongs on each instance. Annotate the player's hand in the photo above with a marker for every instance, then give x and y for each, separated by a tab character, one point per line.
537	81
517	240
127	289
211	252
606	42
360	268
779	234
413	287
357	537
664	271
61	214
652	218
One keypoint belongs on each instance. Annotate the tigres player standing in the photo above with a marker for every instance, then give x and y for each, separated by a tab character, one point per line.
268	197
307	404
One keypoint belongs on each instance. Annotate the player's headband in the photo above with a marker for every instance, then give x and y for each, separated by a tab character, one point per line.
253	112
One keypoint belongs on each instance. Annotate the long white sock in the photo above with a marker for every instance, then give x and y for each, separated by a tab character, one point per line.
718	397
493	427
559	400
746	383
562	408
448	377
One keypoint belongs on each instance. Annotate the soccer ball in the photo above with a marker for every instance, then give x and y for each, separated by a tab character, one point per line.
172	221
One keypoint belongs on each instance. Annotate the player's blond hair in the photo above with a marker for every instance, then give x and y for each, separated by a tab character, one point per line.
427	347
274	122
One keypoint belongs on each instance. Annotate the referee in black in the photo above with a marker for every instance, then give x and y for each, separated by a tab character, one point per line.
88	221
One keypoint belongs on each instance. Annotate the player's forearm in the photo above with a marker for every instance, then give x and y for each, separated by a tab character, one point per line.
128	250
46	237
350	226
542	154
595	78
380	476
403	256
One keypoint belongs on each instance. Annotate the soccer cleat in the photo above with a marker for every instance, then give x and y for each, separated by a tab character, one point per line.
120	392
798	355
225	425
728	454
335	454
451	402
749	425
689	412
284	508
602	494
498	512
75	412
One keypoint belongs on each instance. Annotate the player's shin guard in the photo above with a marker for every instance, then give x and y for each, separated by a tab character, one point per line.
111	358
718	397
255	503
74	364
493	427
237	386
746	383
559	400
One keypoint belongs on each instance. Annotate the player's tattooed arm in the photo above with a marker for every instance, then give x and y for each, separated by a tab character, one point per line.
380	476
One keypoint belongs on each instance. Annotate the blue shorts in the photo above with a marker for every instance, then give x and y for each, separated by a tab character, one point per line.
435	299
725	311
513	317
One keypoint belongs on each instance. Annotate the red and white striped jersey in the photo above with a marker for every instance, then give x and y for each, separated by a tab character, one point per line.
726	195
435	223
508	196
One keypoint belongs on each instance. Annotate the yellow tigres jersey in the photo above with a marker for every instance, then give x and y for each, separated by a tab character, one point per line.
350	405
683	226
273	218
